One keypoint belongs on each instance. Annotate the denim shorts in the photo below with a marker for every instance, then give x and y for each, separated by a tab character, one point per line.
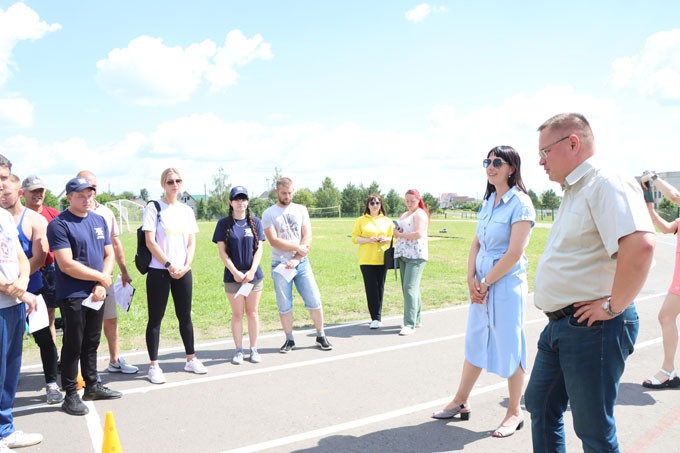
305	284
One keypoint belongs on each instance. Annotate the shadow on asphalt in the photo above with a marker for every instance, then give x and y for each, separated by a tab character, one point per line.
428	437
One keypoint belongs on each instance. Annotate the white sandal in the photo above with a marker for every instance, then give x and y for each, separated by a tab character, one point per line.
672	382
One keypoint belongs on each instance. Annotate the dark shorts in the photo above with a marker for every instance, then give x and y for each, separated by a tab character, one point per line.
48	289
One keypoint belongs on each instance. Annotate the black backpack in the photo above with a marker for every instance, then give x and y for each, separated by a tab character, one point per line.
143	255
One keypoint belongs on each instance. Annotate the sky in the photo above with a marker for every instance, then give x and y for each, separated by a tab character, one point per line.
407	94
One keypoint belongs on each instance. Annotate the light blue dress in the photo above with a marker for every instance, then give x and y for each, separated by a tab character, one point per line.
495	337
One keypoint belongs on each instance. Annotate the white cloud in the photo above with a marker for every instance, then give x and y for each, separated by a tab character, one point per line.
148	72
19	23
445	158
16	112
420	12
655	72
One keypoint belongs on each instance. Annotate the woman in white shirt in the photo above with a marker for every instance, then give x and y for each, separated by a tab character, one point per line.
170	238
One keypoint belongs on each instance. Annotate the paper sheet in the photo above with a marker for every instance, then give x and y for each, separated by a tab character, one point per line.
123	294
288	274
244	290
38	318
93	305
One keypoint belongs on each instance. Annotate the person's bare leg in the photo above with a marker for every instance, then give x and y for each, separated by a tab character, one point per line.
468	377
286	322
668	316
515	386
252	304
111	334
317	318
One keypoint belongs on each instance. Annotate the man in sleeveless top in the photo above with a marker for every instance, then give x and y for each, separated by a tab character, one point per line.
33	188
32	228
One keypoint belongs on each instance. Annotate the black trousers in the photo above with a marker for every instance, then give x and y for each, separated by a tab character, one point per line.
48	353
159	284
82	331
374	283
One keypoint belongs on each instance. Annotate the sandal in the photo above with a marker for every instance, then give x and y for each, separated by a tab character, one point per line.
507	431
672	382
445	414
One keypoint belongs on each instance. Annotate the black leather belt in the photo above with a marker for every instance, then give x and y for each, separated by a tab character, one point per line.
561	313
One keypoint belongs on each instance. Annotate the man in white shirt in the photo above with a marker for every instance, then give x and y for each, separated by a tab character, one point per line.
595	262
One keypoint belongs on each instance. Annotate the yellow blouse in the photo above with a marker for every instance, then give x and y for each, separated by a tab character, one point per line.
372	253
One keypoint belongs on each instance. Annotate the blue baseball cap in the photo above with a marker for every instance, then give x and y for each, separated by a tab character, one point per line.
236	191
78	185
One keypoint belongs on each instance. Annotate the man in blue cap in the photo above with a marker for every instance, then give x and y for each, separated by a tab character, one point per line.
84	255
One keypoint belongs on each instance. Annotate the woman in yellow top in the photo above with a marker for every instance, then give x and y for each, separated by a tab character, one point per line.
373	233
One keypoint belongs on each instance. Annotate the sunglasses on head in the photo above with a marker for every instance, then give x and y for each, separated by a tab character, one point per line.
497	162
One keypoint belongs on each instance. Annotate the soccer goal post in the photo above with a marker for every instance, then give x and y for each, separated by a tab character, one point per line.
330	211
127	212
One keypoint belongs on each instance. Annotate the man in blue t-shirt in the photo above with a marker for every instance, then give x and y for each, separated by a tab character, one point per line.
84	256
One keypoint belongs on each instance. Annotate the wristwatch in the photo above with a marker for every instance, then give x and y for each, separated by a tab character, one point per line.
484	282
167	264
609	311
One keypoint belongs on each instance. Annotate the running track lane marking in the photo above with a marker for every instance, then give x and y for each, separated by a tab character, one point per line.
95	429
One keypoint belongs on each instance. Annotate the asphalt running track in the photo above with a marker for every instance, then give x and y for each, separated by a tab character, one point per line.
374	392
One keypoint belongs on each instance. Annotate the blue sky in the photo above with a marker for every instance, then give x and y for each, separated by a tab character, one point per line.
404	93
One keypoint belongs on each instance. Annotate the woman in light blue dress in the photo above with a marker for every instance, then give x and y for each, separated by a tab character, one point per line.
497	280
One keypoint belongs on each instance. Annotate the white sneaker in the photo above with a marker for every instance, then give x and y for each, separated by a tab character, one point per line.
195	366
255	356
375	324
4	448
122	367
20	439
155	375
406	330
238	358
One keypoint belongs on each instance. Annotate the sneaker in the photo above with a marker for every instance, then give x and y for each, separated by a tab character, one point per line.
406	330
288	346
20	439
255	356
4	448
54	396
323	343
74	405
375	324
155	375
122	367
100	392
195	366
238	358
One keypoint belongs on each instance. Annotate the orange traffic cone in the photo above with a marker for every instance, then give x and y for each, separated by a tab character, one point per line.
111	442
80	382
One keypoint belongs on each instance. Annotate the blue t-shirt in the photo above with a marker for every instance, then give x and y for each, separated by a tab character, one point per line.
240	242
86	237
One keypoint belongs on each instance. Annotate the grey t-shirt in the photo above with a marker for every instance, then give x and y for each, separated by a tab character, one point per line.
288	223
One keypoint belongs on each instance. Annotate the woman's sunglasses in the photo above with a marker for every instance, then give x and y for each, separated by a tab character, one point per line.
497	162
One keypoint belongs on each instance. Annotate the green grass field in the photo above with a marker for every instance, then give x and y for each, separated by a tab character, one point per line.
334	260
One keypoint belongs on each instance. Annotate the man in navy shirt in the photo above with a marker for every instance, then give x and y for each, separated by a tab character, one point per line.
84	256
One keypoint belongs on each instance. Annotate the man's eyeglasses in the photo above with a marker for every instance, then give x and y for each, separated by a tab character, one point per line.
374	203
543	152
171	182
497	162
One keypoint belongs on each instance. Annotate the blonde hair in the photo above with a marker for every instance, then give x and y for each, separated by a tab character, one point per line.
166	172
572	123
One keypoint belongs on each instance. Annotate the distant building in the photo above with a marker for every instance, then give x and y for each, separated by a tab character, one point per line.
188	200
453	200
